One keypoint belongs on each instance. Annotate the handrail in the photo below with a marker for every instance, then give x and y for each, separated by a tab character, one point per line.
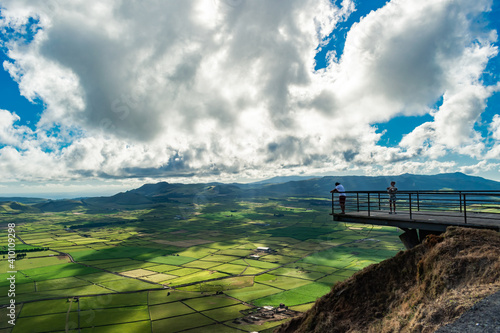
462	203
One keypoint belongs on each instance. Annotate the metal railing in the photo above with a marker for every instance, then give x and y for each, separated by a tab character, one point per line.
466	204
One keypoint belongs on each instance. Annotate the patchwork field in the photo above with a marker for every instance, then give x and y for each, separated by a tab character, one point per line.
150	271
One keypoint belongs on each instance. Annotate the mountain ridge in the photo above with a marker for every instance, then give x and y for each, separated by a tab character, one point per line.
152	194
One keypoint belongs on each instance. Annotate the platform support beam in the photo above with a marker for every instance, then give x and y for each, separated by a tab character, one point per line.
409	238
412	237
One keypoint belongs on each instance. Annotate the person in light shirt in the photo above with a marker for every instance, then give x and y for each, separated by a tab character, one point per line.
342	196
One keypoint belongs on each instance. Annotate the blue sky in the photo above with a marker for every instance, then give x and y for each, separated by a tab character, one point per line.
101	97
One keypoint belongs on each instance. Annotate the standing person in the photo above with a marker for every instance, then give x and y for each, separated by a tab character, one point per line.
392	190
342	196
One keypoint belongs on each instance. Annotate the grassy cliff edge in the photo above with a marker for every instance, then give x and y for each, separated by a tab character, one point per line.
418	290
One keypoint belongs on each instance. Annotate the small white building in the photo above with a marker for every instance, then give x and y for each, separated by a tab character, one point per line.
263	249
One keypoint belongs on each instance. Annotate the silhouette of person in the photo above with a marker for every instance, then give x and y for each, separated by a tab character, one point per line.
392	190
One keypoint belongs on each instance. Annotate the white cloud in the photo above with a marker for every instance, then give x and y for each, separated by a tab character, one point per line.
415	167
479	167
11	134
227	87
495	127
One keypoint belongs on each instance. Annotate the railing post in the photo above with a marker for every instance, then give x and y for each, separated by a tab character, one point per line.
333	206
409	202
460	199
379	204
465	210
368	203
357	200
418	201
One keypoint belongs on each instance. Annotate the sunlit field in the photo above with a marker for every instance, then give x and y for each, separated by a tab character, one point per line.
191	267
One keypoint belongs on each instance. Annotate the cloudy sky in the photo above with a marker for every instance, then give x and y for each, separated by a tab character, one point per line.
101	96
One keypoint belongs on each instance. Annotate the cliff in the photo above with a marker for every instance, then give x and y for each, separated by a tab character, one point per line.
418	290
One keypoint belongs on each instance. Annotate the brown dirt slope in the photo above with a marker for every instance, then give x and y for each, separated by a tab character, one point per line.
418	290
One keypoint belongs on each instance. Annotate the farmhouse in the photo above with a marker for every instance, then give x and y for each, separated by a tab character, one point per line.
263	249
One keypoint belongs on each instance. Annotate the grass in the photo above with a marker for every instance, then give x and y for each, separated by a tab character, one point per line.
226	313
25	264
250	293
141	326
100	317
169	310
256	328
118	252
281	282
255	263
196	252
299	233
211	302
138	272
47	307
125	284
45	323
48	273
113	301
298	273
215	328
221	285
300	295
196	277
172	260
99	277
184	271
159	278
78	291
331	279
162	268
201	264
168	296
229	269
63	283
213	242
3	314
219	258
180	323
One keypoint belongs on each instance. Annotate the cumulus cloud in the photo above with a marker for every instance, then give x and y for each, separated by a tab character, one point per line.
229	87
479	167
494	128
10	133
417	167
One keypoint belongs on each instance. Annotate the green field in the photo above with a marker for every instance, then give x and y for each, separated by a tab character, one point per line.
147	270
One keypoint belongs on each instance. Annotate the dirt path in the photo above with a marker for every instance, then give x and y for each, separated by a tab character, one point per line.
67	315
483	317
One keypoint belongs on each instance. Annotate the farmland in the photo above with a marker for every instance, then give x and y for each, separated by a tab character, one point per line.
190	265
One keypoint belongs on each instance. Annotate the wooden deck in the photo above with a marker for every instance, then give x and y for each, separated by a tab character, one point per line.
421	220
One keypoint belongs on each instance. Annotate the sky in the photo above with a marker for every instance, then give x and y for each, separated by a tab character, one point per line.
99	97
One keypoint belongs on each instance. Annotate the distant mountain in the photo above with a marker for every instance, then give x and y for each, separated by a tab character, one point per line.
162	192
318	186
406	182
284	179
152	194
59	205
12	207
24	200
123	198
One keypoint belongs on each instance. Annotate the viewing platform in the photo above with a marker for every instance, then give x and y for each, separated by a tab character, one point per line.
420	213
